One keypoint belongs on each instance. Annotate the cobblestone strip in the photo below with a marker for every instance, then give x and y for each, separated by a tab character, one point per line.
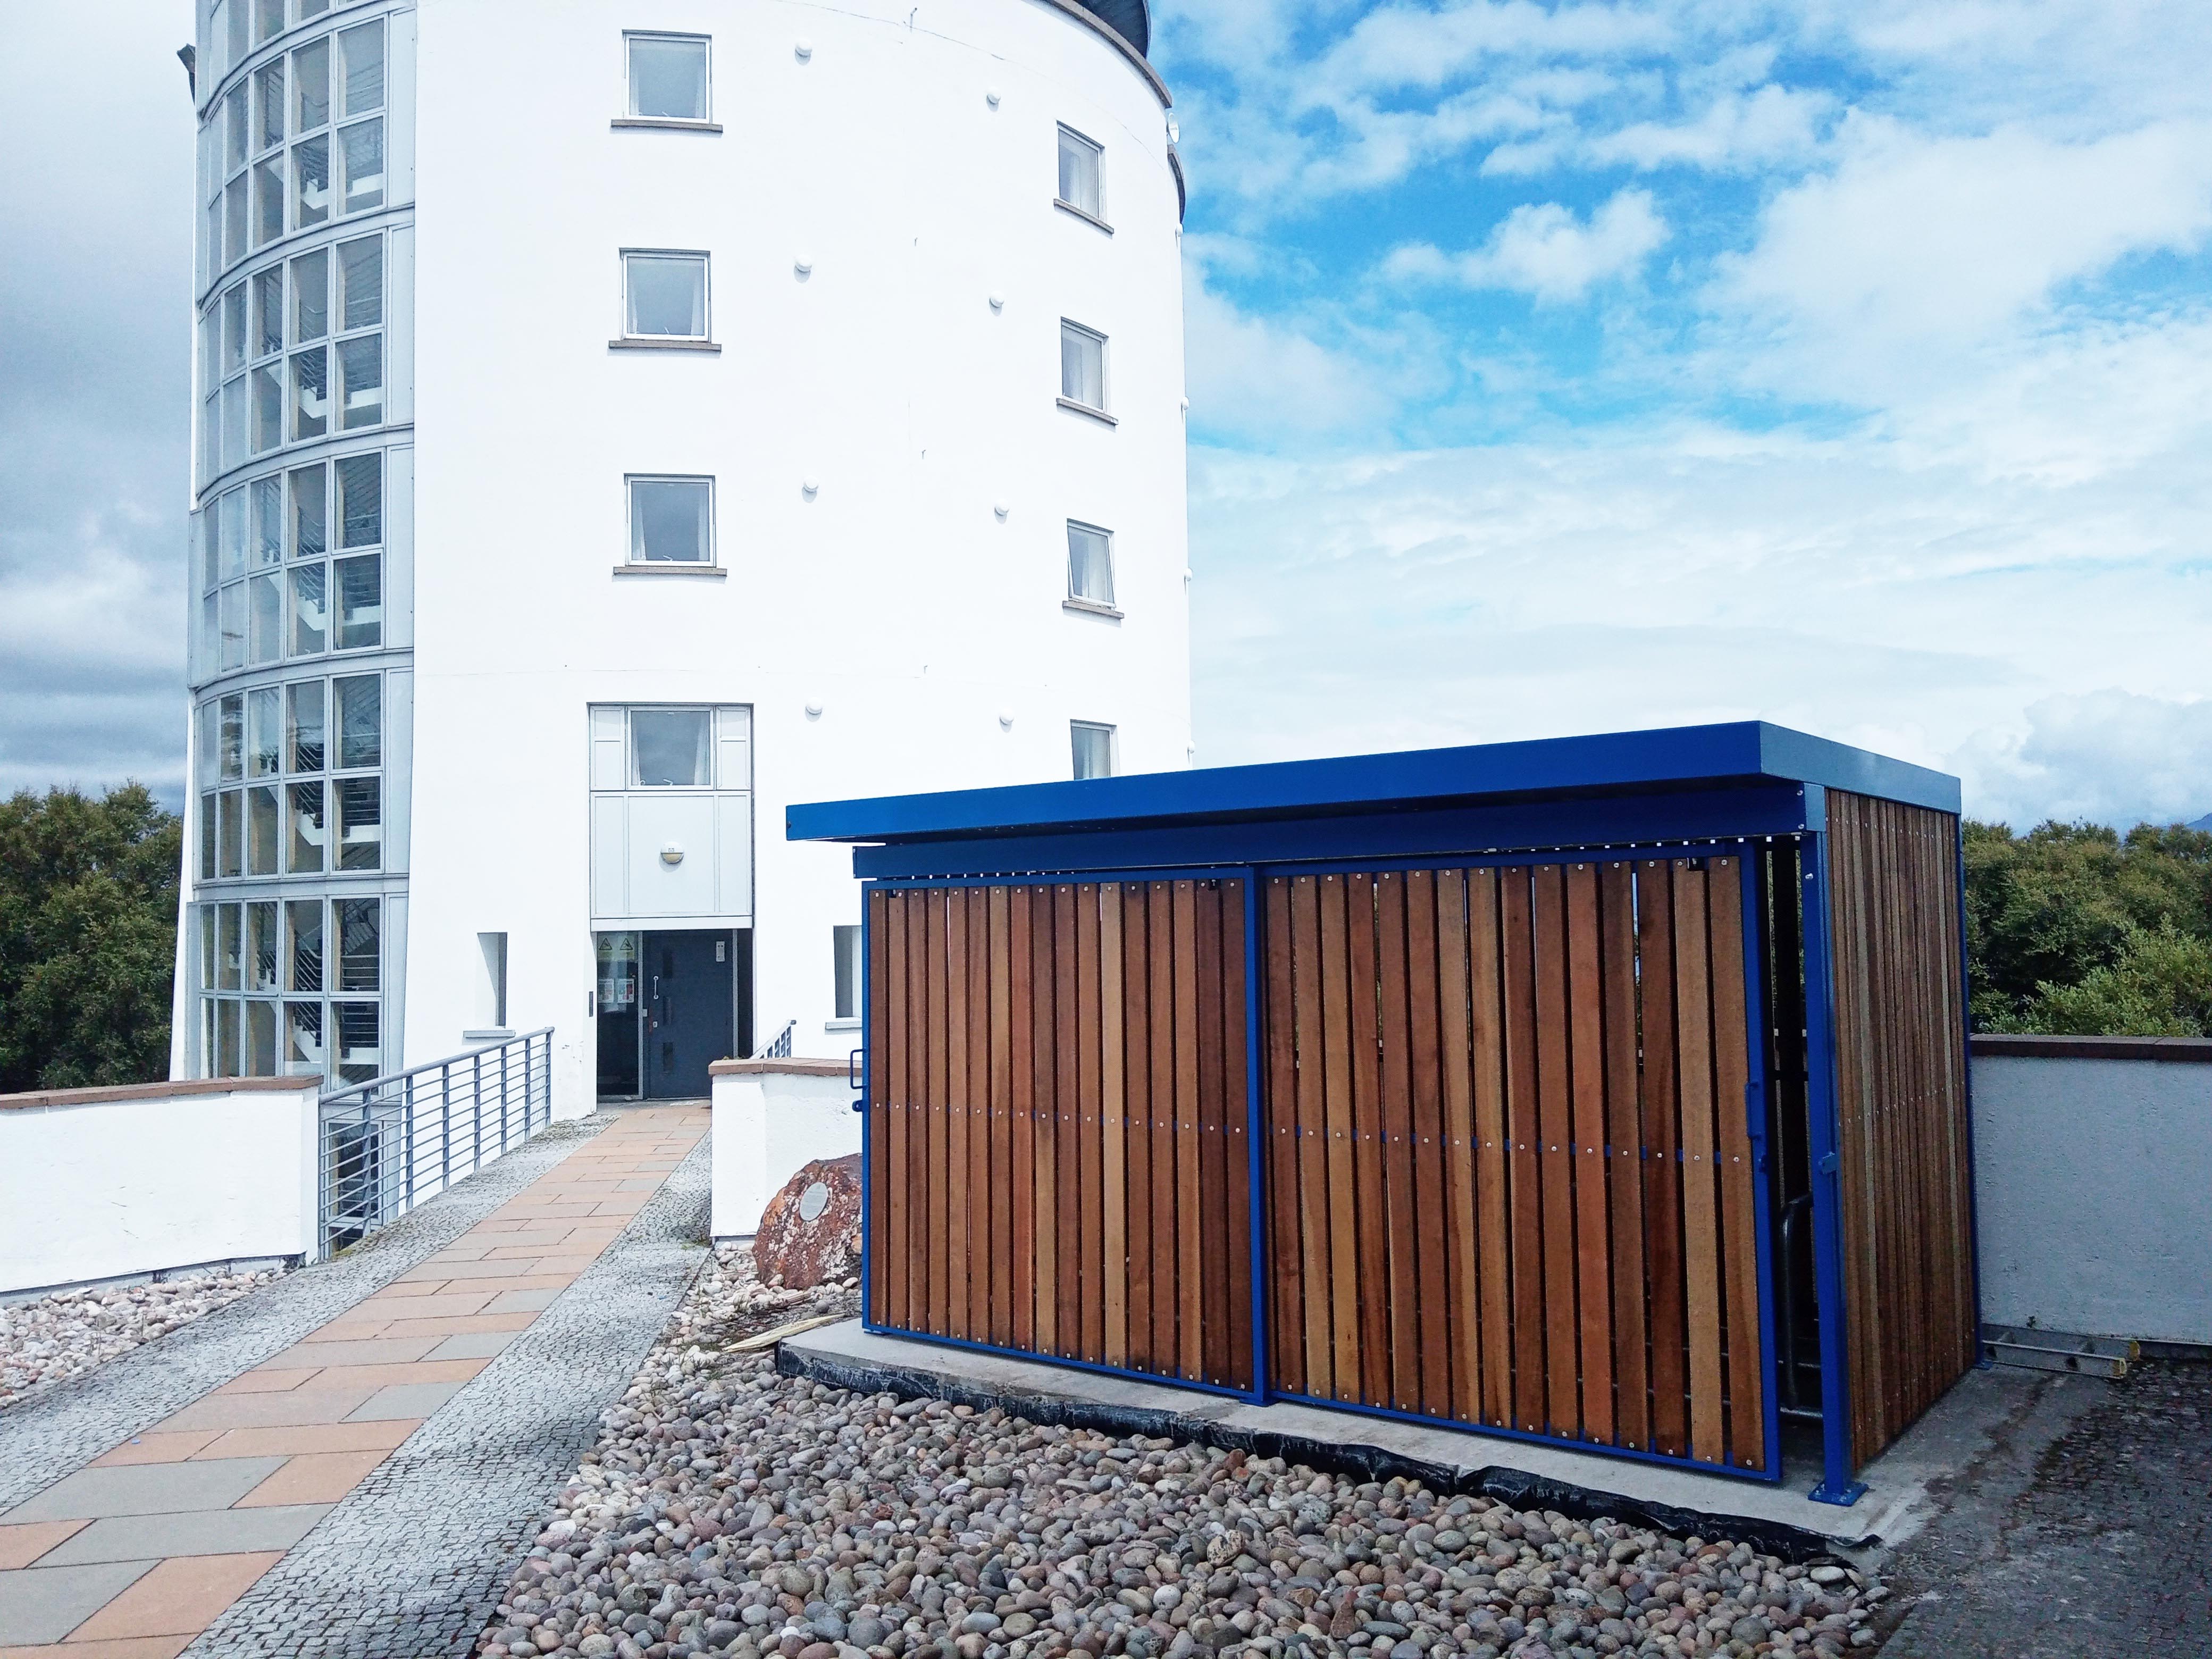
60	1429
413	1562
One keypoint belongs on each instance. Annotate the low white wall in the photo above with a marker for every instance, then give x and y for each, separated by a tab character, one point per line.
2092	1185
771	1118
101	1183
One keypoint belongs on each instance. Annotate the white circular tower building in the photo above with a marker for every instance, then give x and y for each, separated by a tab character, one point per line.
705	406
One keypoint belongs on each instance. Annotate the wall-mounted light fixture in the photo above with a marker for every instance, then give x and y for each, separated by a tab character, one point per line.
1002	509
997	302
802	50
803	265
1006	720
814	711
671	854
991	96
809	487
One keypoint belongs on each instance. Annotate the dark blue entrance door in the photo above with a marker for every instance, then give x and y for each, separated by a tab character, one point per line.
688	993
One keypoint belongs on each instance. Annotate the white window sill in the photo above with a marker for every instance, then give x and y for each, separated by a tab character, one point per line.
642	342
1090	608
671	567
1087	218
663	123
841	1024
1098	414
500	1034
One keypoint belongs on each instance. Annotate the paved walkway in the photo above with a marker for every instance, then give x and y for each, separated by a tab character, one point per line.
362	1422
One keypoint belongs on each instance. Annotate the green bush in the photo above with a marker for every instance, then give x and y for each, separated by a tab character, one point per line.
87	937
2078	930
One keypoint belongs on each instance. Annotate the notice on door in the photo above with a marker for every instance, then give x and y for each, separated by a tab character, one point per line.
617	960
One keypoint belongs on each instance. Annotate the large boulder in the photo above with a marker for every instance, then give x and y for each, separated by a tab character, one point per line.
810	1231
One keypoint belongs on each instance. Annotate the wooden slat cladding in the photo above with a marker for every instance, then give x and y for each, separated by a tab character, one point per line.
1901	1110
1058	1132
1511	1167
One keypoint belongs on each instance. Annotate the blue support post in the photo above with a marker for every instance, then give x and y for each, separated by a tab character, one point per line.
1254	1134
867	1106
1836	1485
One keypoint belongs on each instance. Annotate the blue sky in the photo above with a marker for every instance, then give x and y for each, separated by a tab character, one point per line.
1560	367
1553	367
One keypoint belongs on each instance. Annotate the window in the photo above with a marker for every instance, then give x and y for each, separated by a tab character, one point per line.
331	599
1079	186
1090	565
272	345
671	520
270	146
672	748
845	948
665	296
1094	749
667	77
491	982
278	768
1082	366
277	979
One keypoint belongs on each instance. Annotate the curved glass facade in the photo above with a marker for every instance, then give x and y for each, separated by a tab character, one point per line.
299	667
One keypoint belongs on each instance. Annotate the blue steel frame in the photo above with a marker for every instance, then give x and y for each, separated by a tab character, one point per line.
1822	1129
1646	765
1261	1391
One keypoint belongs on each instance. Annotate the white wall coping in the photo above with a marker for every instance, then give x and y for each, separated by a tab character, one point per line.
101	1094
789	1066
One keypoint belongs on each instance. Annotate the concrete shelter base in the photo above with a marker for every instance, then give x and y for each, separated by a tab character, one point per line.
1780	1518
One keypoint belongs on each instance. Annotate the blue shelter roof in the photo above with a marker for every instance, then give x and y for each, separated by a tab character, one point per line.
1616	763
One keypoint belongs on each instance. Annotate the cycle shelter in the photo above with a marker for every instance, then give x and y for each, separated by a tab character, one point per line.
1607	1091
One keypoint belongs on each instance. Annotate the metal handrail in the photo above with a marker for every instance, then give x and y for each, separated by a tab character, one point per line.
390	1143
779	1047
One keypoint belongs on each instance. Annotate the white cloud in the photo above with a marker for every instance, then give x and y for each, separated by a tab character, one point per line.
2110	757
1733	133
1848	587
1914	240
1259	376
1544	250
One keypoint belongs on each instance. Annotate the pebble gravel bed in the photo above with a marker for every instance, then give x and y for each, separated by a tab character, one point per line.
50	1339
727	1510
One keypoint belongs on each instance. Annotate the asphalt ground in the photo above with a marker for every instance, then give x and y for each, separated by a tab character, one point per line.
2094	1542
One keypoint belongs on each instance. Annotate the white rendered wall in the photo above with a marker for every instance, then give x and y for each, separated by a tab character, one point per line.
895	599
769	1125
100	1188
2093	1193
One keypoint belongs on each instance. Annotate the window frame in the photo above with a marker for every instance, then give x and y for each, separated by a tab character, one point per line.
237	369
632	775
626	341
224	949
1102	410
849	961
225	577
232	160
629	565
1099	166
1085	602
629	116
225	793
1113	749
